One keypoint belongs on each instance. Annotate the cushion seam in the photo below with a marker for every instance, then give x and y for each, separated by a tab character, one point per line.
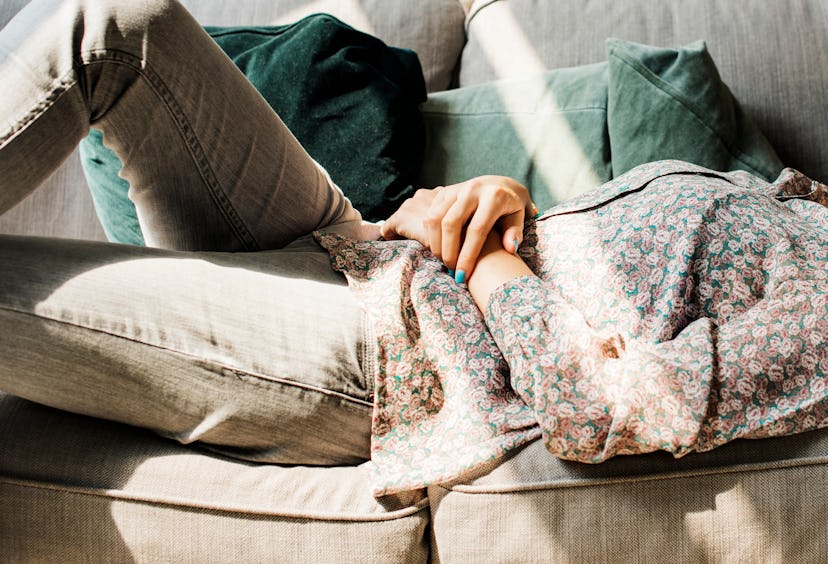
476	10
177	502
676	475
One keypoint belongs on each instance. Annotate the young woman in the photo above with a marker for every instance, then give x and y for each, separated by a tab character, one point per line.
674	308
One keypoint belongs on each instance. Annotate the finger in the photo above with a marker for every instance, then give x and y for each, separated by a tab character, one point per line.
391	228
512	228
387	231
453	228
434	221
478	229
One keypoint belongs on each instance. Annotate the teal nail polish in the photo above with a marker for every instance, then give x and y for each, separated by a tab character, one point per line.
451	273
516	244
460	277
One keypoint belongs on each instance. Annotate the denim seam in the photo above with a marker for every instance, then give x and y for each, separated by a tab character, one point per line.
199	157
224	369
57	89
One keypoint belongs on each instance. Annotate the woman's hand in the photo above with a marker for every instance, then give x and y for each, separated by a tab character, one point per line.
454	221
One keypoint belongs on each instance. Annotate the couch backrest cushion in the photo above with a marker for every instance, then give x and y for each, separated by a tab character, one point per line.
431	28
772	55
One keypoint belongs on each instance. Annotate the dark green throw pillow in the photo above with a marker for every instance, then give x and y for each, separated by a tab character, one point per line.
353	103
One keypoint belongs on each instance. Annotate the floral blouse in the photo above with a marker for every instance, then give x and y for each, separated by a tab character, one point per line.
674	308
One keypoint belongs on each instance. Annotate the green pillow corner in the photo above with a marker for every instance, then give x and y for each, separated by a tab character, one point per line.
669	103
337	69
110	192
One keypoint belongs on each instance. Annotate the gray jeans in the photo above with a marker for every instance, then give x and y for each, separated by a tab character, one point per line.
261	354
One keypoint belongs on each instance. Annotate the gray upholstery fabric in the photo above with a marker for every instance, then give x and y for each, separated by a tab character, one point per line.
76	489
752	501
430	28
773	55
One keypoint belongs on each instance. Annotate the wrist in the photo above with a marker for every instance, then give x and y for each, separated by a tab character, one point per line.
495	266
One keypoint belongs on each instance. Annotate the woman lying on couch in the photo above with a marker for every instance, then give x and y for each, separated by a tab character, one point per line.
674	308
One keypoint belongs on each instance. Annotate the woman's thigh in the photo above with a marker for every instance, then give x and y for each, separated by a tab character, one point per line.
262	356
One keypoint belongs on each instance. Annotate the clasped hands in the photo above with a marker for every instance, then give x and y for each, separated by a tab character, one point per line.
455	222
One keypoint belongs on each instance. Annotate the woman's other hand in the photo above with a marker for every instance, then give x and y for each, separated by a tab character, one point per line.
454	221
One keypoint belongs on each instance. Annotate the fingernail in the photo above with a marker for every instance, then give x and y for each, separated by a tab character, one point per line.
516	244
460	277
451	273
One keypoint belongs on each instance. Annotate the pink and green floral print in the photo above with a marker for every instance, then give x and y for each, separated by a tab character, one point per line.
674	308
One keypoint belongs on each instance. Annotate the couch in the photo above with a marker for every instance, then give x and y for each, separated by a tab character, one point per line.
152	500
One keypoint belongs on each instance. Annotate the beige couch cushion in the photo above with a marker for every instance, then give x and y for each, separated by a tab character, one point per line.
751	501
76	489
773	55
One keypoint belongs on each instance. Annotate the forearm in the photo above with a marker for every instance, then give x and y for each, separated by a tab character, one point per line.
494	267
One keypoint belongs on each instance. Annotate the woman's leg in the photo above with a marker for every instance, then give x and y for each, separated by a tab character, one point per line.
262	356
211	166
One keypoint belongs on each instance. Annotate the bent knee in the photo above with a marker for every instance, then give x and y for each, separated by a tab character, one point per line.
122	24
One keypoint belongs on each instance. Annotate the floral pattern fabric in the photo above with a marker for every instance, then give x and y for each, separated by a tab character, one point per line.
674	308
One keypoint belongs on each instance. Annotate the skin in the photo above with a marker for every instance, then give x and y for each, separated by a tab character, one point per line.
472	227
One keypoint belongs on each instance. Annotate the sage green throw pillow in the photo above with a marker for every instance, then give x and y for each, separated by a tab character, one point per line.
563	132
352	101
672	104
547	131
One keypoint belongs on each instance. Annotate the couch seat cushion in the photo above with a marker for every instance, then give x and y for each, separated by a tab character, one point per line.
89	490
748	501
